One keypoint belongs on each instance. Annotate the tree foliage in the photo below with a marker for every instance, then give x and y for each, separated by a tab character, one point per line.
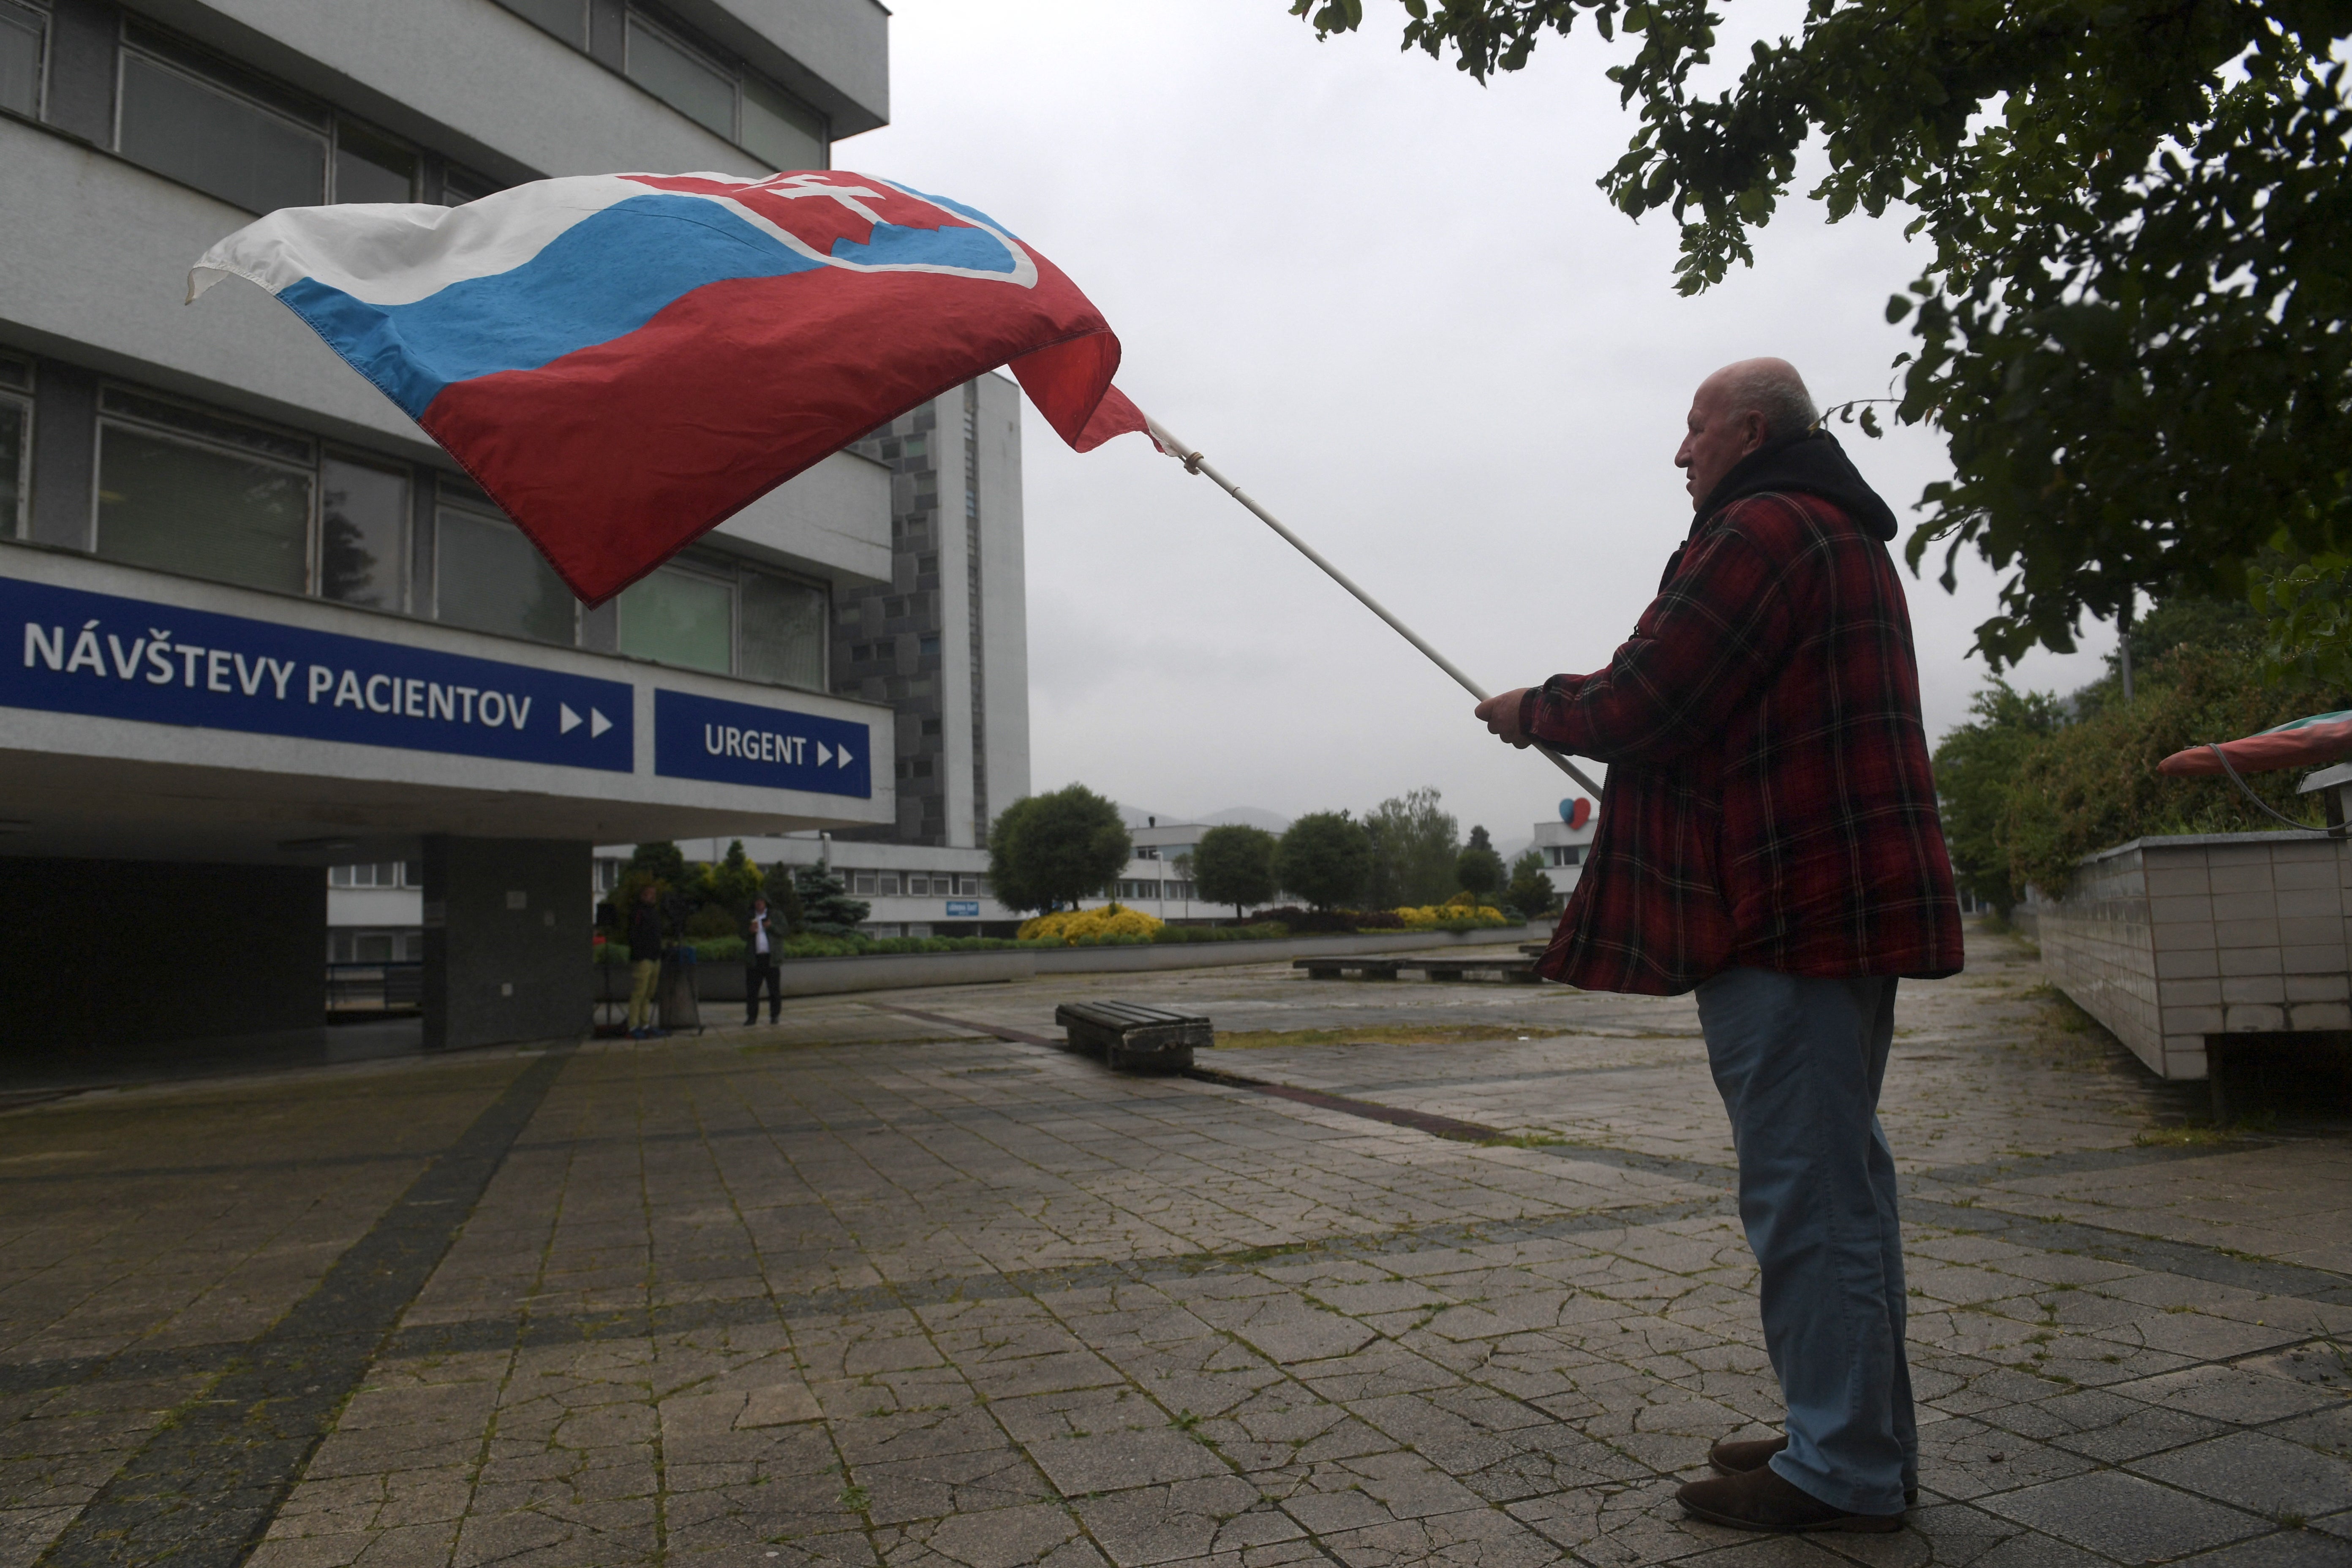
1053	849
1478	870
1235	865
2033	783
1977	763
1529	891
826	908
1324	858
1413	846
2131	325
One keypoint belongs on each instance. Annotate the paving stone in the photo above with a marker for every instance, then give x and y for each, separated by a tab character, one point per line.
969	1300
2259	1472
2123	1518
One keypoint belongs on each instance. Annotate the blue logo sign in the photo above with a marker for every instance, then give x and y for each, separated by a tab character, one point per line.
964	908
770	748
113	657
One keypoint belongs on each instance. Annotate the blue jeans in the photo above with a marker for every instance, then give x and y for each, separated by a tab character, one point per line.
1799	1062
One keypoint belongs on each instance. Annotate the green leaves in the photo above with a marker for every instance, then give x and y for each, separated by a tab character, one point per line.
2133	330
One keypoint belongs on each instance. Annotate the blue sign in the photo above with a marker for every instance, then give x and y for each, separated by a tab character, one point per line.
132	658
964	908
770	748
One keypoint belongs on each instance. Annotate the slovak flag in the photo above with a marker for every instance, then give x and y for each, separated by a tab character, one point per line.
624	361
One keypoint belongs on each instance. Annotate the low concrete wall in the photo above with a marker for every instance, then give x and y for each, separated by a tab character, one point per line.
2171	942
723	981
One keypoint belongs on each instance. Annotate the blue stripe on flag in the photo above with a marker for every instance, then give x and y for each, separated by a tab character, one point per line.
604	278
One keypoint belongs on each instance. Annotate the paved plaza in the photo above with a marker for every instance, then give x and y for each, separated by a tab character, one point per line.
899	1282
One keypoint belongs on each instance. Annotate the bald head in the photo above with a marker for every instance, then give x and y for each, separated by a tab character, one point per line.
1737	410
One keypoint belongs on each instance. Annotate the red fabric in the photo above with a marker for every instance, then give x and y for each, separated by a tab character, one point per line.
1770	803
2306	746
614	458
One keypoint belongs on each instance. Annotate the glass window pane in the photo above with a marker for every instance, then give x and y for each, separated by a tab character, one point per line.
780	130
221	144
362	533
783	632
206	513
12	469
567	19
678	618
368	168
491	580
698	91
20	59
460	186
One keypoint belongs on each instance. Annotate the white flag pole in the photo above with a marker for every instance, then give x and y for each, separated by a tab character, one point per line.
1195	463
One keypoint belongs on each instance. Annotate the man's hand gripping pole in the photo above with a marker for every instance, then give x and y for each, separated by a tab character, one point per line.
1195	463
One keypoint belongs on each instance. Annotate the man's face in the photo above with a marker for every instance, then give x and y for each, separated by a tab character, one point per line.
1716	439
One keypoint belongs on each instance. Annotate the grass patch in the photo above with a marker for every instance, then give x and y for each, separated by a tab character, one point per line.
1524	1140
1384	1035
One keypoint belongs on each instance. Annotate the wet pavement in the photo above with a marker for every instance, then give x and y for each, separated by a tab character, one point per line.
897	1282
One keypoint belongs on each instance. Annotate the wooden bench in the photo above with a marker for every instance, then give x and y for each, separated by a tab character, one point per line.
1333	967
1129	1038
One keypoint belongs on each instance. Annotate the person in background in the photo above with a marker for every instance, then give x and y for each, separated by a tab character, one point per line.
644	960
759	940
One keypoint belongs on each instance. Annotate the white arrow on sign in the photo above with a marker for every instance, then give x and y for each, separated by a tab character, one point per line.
597	724
845	758
824	753
566	721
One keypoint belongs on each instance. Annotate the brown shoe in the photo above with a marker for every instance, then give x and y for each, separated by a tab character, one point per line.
1737	1457
1762	1499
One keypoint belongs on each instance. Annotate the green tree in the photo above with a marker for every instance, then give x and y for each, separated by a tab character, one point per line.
1235	865
1053	849
2131	323
1324	859
1529	891
1478	870
784	898
1413	846
661	860
826	908
1977	765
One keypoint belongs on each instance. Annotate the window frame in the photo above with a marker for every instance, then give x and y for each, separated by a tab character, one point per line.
14	527
722	62
708	572
405	559
141	424
41	12
449	497
161	47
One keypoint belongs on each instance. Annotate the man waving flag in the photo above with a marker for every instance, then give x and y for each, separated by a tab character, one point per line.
624	361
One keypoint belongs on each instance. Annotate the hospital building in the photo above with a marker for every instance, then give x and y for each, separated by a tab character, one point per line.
259	636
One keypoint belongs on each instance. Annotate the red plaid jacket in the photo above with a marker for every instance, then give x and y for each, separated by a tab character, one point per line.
1770	803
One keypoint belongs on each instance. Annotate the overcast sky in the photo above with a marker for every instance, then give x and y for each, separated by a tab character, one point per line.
1391	305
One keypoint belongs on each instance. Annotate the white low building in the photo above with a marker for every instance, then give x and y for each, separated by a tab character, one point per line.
1565	842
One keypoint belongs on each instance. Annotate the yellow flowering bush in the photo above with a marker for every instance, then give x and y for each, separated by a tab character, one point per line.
1071	927
1451	913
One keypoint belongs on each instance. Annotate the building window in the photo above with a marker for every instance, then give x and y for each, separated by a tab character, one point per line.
15	448
608	873
1566	854
249	141
859	881
372	168
378	874
375	946
1139	889
680	617
784	631
887	883
488	576
226	134
185	491
567	19
24	33
460	186
362	533
722	98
